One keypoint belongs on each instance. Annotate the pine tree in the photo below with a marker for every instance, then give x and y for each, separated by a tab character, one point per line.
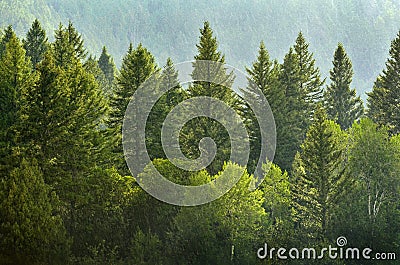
263	75
36	43
30	231
310	77
106	64
16	77
318	176
7	35
137	65
68	44
291	130
171	98
201	127
341	101
383	100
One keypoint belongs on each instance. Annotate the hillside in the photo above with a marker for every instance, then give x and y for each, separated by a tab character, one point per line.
170	28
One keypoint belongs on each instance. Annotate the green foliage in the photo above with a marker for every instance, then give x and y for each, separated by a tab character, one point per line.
341	101
383	100
318	179
36	43
219	87
138	65
16	77
263	76
30	231
106	64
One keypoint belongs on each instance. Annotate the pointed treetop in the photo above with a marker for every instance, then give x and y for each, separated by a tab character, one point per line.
208	45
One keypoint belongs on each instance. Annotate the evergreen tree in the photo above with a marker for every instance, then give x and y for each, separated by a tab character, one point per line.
7	35
383	100
169	79
68	45
137	65
106	64
201	127
341	101
291	131
310	77
30	231
263	75
318	176
35	43
16	77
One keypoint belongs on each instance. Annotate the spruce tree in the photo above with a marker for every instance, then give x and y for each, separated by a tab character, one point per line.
291	131
106	64
171	98
341	101
137	65
16	77
7	35
263	75
68	44
318	179
310	77
200	127
35	43
383	100
30	230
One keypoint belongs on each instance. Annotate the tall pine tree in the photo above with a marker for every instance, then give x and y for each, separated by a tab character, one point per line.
318	179
201	127
16	77
137	65
36	43
263	76
341	101
383	106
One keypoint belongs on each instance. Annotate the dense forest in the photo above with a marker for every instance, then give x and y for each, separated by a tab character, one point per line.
68	197
169	28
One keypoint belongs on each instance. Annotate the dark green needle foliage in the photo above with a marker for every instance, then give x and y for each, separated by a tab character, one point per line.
341	101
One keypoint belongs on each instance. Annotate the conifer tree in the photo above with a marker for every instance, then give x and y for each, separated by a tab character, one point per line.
310	77
383	100
106	64
171	98
291	131
7	35
16	77
201	127
318	175
263	75
68	44
30	231
36	43
137	65
341	101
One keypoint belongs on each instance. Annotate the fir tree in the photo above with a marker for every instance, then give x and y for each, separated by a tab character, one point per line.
218	88
291	131
310	77
137	65
68	45
106	64
341	101
318	175
7	35
30	230
171	98
383	100
263	75
16	77
35	43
